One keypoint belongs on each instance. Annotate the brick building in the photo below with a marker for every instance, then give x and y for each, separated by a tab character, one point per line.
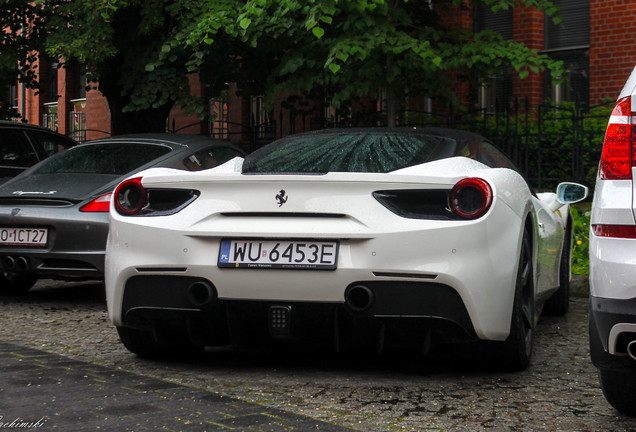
596	42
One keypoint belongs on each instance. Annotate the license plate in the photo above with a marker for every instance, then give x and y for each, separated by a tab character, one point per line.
23	236
278	254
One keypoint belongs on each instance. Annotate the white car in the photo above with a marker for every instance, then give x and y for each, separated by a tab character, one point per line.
348	237
613	257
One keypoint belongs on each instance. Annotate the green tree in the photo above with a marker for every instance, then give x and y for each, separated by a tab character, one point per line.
129	48
23	24
140	51
350	49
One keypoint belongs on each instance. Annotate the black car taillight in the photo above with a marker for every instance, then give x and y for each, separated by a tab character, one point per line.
417	203
133	199
470	198
617	157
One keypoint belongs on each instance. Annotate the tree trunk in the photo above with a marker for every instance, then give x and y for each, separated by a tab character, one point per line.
149	120
391	110
125	23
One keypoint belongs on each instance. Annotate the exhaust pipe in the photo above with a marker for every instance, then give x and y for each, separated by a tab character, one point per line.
359	298
22	263
631	350
202	294
8	263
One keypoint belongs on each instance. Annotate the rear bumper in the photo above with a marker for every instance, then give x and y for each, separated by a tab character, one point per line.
612	328
71	265
612	301
476	259
398	314
75	249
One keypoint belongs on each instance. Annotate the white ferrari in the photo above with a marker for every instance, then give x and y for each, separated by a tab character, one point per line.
347	237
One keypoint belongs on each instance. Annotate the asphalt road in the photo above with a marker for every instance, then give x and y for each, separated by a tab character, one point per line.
392	392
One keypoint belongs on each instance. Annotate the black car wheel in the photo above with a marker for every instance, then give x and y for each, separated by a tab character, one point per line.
16	283
140	342
517	349
619	388
158	343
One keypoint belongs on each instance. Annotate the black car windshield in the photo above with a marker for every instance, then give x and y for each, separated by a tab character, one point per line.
113	158
349	150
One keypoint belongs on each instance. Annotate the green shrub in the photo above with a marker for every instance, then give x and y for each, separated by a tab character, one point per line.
580	246
549	144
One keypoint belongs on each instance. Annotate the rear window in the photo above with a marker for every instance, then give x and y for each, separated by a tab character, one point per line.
348	151
52	143
119	158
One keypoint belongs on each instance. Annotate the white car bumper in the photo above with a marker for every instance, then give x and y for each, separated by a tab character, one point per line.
473	258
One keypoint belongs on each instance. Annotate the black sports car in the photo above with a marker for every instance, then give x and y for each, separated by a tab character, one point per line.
54	216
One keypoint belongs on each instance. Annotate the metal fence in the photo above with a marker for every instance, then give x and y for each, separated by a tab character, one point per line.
548	143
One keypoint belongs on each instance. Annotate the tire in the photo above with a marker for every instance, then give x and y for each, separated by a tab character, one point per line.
619	388
559	303
140	342
149	344
16	283
516	351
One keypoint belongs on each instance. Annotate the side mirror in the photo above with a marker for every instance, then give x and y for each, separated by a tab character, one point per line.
570	193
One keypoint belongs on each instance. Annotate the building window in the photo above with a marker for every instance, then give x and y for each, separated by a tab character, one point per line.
13	95
260	119
78	72
51	81
77	125
495	91
500	22
570	43
49	118
219	111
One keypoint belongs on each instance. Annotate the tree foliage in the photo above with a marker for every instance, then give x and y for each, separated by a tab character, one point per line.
351	48
23	30
140	51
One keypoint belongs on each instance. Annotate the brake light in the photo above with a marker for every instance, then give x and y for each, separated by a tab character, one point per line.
617	158
619	231
470	198
99	204
130	197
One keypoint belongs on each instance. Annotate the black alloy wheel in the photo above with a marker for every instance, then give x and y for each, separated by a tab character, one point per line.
13	283
517	349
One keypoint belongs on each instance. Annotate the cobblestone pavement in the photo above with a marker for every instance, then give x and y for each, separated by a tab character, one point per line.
48	391
559	392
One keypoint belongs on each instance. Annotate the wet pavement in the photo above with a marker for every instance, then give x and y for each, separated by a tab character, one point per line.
46	391
62	362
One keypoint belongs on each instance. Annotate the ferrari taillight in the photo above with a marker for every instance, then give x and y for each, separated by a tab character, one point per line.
130	197
470	198
617	158
99	204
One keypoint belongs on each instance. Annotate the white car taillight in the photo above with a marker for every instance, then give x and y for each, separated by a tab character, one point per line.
130	197
470	198
617	158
